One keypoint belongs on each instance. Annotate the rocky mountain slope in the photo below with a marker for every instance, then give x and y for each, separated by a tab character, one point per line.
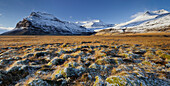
45	24
146	22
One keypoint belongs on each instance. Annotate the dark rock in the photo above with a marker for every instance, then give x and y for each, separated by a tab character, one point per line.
57	61
85	42
38	82
39	54
128	60
104	46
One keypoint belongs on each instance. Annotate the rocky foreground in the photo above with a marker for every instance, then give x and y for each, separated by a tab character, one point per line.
84	64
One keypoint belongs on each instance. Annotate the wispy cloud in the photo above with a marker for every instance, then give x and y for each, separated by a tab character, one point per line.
0	14
6	28
137	14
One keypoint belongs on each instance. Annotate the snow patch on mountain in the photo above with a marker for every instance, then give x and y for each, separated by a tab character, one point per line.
94	24
148	21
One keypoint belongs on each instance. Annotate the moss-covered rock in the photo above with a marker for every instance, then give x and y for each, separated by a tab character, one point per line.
98	81
56	61
38	82
41	53
103	61
70	72
116	81
165	56
94	66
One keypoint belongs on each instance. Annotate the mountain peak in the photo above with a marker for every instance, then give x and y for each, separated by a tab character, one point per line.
157	12
162	11
43	16
148	13
96	20
40	14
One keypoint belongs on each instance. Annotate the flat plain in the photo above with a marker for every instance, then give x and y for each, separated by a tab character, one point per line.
153	40
118	60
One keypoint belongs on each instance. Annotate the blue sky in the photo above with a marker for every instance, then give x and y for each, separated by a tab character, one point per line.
109	11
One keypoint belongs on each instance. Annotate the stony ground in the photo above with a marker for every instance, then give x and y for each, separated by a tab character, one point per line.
88	63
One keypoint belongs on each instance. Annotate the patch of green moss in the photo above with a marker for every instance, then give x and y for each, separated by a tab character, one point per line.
159	52
49	63
149	54
59	71
97	80
116	81
63	73
95	66
119	61
70	64
166	56
146	63
102	61
124	55
56	72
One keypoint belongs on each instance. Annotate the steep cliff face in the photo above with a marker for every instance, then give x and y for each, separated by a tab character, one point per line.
46	24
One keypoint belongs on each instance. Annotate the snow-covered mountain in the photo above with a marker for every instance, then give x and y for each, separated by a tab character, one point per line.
148	21
94	24
46	24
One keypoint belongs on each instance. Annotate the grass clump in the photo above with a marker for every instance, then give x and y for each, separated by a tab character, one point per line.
149	54
125	55
146	63
98	81
102	61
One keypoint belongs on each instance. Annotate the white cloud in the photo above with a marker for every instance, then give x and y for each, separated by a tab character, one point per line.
137	14
6	28
0	14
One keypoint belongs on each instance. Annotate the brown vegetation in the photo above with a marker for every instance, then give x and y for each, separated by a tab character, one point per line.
154	40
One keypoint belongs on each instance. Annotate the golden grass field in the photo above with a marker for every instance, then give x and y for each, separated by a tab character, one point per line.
154	40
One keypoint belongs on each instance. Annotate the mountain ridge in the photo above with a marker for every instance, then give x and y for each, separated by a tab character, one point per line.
148	21
39	23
